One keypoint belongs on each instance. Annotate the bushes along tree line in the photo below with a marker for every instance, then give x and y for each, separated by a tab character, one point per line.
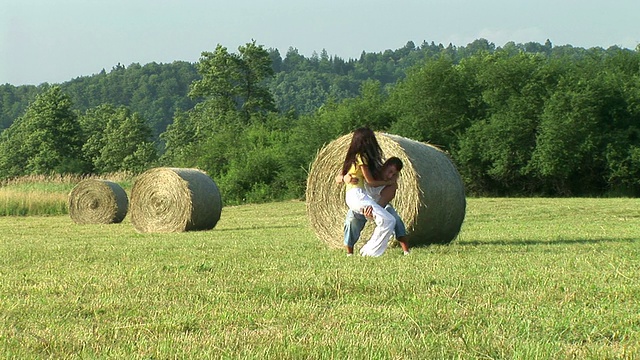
520	120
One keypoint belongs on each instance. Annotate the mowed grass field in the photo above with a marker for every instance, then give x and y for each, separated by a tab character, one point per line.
525	279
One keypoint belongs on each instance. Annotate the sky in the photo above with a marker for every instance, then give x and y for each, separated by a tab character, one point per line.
55	41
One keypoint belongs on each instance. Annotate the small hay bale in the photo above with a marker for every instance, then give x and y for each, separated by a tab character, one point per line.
174	200
94	201
430	197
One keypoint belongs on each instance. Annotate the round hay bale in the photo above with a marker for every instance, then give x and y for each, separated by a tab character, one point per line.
95	201
430	197
174	200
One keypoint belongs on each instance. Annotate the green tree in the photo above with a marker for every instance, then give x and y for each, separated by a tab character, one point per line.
256	69
623	149
569	137
220	81
178	140
589	133
117	140
235	82
128	144
12	156
367	109
294	61
276	60
302	91
234	98
514	90
46	139
93	123
436	102
14	101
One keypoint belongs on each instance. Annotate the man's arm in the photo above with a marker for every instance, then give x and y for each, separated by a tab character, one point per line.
373	182
387	194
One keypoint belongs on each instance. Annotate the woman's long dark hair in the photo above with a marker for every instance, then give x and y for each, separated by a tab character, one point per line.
364	142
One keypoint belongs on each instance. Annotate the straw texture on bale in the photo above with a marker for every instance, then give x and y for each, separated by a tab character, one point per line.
430	197
174	200
94	201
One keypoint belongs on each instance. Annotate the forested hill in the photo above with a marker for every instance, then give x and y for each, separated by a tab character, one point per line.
518	120
155	91
158	91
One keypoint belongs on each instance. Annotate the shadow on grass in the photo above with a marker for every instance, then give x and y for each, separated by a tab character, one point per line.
547	242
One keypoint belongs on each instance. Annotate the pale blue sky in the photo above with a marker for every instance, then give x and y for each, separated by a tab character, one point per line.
58	40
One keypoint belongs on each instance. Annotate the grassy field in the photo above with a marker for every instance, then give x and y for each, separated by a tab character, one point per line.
526	279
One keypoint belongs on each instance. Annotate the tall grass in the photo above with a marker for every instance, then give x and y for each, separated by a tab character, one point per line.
21	203
526	279
46	194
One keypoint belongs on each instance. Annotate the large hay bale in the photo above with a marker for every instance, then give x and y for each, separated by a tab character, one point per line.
174	200
94	201
430	197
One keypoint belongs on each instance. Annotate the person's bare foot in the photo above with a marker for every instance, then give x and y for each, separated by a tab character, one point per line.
405	246
349	250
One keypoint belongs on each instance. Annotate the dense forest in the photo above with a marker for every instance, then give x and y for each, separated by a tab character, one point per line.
518	120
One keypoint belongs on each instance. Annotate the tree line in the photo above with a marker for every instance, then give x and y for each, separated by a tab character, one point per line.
518	120
158	91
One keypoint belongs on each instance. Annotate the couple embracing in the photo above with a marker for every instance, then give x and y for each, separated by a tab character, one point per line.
370	185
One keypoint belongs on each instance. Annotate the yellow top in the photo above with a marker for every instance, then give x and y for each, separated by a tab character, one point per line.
356	172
